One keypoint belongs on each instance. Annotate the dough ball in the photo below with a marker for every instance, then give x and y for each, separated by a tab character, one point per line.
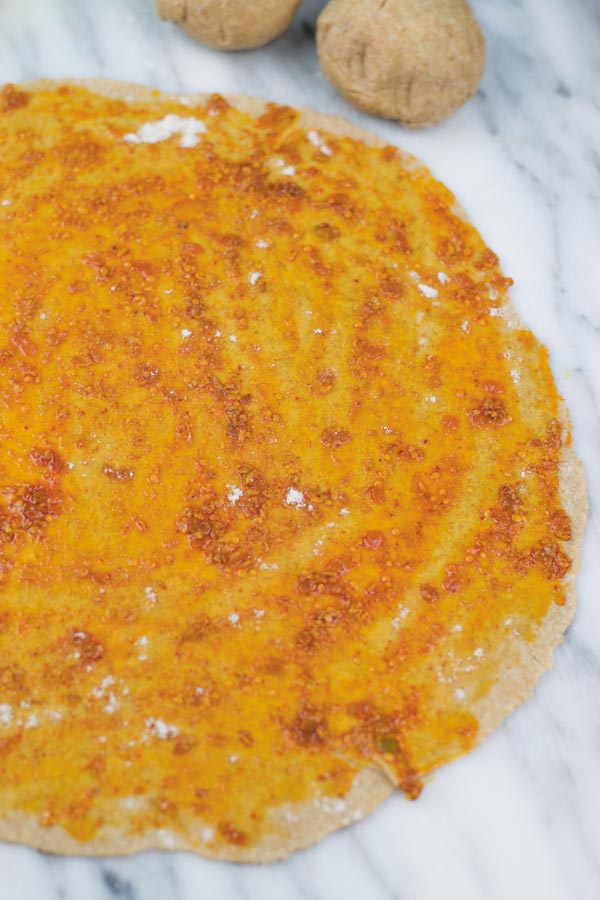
230	24
412	60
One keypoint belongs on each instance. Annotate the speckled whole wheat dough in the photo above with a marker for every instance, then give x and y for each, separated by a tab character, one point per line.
525	663
230	24
416	61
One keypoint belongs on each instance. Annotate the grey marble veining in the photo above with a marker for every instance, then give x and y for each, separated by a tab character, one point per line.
519	817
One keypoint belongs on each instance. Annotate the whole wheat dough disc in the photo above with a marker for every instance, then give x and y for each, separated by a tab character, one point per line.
289	513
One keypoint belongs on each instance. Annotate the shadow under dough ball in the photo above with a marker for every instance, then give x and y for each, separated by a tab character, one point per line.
230	24
412	60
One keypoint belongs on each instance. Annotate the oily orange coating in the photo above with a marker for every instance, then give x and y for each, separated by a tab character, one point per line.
278	479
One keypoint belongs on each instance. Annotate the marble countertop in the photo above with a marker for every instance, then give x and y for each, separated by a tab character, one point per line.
519	817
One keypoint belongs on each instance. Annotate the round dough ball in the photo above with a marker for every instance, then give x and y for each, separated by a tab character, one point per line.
412	60
230	24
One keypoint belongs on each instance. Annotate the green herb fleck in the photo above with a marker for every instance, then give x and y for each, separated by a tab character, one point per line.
388	745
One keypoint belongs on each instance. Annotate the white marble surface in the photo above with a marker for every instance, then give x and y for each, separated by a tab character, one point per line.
520	817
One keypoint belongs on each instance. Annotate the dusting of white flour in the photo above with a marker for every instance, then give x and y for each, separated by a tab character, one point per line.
153	132
294	497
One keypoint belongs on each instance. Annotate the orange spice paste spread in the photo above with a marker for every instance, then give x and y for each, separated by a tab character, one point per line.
278	473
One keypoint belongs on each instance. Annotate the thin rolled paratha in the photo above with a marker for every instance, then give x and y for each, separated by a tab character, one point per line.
289	512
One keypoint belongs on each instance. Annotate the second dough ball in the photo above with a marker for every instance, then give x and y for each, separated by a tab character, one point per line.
230	24
412	60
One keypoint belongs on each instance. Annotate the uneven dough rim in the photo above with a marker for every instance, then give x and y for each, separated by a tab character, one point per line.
525	662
